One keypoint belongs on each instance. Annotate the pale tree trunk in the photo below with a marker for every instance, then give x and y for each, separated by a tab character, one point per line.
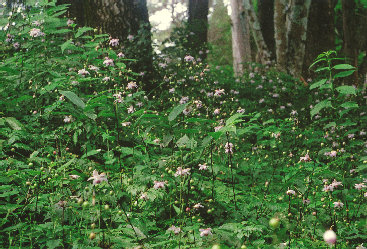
280	33
240	38
263	55
297	33
349	31
320	32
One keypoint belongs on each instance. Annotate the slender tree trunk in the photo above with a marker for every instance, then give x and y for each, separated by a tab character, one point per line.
263	54
266	12
280	33
320	31
297	32
198	26
240	38
349	31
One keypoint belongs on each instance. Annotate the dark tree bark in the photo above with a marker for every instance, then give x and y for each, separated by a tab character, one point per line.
198	26
266	21
349	34
320	31
119	19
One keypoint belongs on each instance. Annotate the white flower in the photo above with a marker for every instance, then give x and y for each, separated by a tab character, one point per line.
189	58
108	62
83	72
144	196
74	177
205	232
159	184
131	85
359	186
219	92
228	148
68	119
130	109
182	172
203	166
291	192
36	32
175	230
98	178
198	205
306	158
338	204
330	237
114	42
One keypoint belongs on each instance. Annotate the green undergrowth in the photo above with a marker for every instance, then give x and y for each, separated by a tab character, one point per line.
206	160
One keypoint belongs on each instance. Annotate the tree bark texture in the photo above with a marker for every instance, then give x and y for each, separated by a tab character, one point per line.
263	54
297	33
320	32
349	34
280	33
198	26
240	37
119	19
265	13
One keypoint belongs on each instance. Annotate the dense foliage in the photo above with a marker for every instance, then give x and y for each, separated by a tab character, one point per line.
89	160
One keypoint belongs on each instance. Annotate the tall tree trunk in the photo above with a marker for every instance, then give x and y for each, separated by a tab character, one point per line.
349	31
266	12
297	33
263	54
198	26
280	34
240	37
120	18
320	31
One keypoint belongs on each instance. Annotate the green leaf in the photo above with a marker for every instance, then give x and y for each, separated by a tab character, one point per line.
91	153
343	66
318	84
346	90
82	31
67	45
349	105
14	123
317	108
73	98
344	74
176	111
234	119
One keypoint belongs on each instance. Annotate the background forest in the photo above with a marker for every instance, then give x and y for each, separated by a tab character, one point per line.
183	124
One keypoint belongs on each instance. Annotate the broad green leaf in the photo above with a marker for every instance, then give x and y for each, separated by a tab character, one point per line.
73	98
91	153
346	90
317	108
176	111
318	84
344	74
14	123
344	66
349	105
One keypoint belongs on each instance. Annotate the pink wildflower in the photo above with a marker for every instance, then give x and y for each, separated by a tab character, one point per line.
98	178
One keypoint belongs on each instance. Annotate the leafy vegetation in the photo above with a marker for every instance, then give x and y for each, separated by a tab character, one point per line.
89	160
